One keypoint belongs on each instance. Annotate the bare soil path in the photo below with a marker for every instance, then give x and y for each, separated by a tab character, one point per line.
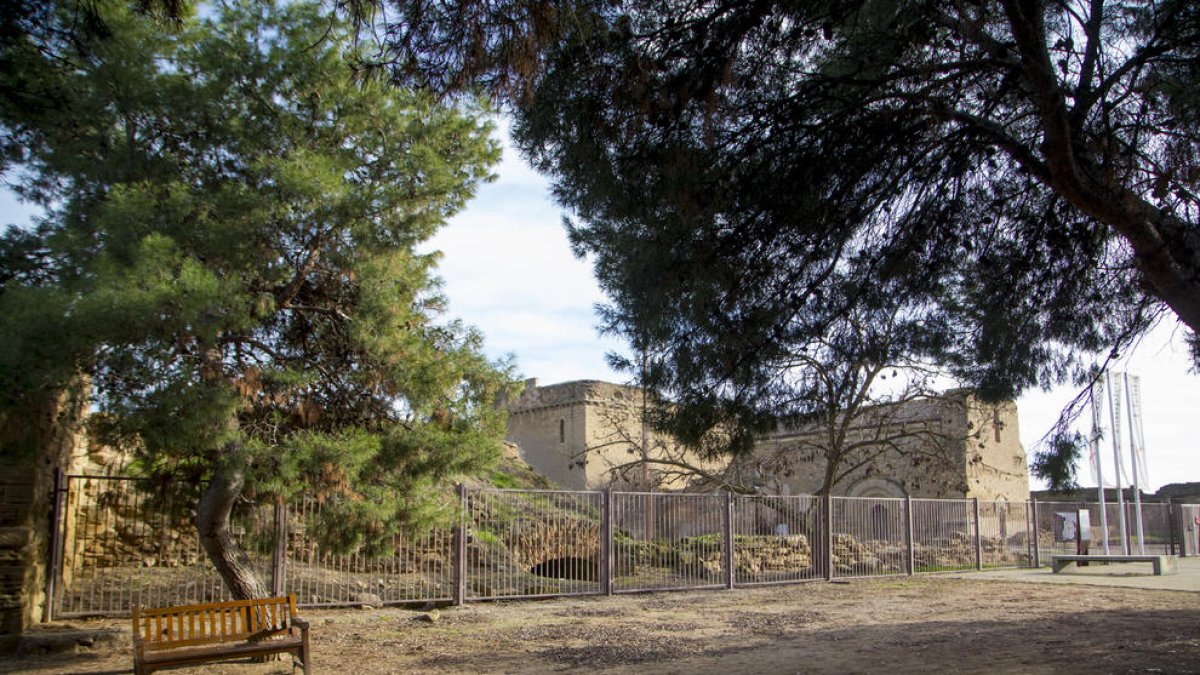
903	625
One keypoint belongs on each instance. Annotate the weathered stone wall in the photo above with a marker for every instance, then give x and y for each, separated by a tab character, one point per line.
43	438
603	440
996	463
18	557
580	433
548	424
965	448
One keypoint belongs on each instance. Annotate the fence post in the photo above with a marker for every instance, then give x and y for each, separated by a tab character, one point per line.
279	559
460	548
55	542
727	535
827	535
909	539
1171	525
606	542
1037	537
978	535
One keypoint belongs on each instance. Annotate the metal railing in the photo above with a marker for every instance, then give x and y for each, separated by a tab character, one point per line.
415	569
120	544
531	543
869	537
1189	525
669	541
775	539
1055	523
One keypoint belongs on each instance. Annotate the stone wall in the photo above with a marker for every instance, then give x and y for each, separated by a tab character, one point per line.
956	446
18	572
581	433
46	436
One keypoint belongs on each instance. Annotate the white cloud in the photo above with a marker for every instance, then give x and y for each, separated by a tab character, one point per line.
508	269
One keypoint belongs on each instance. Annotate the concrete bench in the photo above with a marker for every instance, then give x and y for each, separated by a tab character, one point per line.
1163	564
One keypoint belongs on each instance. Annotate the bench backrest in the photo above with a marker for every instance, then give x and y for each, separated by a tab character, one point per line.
190	625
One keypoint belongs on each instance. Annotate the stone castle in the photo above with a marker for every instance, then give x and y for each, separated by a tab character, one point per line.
589	434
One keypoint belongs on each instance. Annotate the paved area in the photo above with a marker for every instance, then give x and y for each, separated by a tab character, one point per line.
1126	575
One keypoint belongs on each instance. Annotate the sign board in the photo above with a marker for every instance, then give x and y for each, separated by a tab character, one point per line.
1065	525
1085	525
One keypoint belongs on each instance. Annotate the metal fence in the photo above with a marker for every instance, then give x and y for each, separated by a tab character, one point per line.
120	543
668	541
1056	522
776	539
1189	526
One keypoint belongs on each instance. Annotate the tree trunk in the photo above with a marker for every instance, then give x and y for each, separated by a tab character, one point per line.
213	523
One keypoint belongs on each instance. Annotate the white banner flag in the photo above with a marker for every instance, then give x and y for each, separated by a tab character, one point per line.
1094	442
1114	402
1139	444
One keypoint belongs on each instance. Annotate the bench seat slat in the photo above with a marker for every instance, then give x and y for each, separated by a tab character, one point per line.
230	651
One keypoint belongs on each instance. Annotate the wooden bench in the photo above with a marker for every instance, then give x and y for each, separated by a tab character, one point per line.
1162	563
173	636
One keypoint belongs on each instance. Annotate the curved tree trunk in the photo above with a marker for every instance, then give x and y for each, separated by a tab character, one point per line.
212	520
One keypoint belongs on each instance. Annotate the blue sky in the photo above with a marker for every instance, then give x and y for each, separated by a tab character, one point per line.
508	269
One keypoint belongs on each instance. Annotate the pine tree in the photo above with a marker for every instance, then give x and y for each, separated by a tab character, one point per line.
231	255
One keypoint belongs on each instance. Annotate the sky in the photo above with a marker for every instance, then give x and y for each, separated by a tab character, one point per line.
508	269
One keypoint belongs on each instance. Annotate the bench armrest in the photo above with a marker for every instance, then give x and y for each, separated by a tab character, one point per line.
302	624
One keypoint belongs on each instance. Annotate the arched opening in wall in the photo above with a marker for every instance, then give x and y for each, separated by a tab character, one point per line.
562	431
578	569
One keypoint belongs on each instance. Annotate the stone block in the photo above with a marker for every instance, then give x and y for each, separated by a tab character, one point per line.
13	514
18	494
15	537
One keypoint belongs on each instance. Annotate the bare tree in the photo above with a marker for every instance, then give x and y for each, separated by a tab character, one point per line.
847	405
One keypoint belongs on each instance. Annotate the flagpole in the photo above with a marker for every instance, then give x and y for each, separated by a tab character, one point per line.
1114	400
1096	391
1134	449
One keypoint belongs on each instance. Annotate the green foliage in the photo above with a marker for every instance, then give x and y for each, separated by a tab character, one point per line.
1055	464
1017	184
230	254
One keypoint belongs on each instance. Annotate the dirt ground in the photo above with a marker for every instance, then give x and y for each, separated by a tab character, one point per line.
930	624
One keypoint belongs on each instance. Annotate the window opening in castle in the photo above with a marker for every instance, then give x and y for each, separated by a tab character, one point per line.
562	431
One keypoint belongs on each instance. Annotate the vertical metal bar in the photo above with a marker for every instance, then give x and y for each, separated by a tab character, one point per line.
279	561
827	536
1171	525
1037	538
460	549
56	540
727	536
978	535
606	542
911	558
